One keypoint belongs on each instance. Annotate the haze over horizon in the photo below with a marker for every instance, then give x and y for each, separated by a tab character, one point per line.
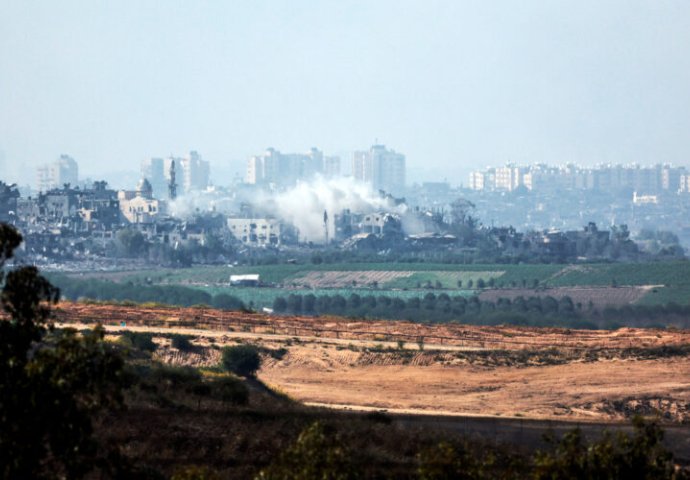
452	85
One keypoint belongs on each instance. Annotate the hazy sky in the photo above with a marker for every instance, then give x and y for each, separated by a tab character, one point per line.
452	84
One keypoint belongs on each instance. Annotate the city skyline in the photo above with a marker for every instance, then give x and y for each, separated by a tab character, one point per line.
276	169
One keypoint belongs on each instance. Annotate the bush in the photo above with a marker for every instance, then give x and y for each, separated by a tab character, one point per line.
140	340
241	360
182	343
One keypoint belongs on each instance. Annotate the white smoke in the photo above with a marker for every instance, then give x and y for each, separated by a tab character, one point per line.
193	202
302	206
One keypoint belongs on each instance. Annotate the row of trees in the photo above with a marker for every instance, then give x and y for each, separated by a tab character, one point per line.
432	307
435	308
536	311
75	289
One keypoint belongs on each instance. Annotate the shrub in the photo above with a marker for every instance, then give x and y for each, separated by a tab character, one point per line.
241	360
140	340
182	343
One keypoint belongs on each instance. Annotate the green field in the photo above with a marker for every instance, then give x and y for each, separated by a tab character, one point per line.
279	274
662	273
673	278
665	295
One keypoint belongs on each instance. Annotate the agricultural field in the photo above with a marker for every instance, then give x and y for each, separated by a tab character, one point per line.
392	279
445	280
679	294
661	273
285	273
661	283
598	297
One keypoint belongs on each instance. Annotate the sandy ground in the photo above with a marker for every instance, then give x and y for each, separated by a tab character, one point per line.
578	391
327	364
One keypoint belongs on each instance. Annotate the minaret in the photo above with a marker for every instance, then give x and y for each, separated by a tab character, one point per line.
172	186
325	225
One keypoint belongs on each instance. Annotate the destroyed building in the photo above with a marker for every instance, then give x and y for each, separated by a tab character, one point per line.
70	209
348	224
8	202
261	232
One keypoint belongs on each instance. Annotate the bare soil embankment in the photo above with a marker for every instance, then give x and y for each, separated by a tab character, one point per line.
549	373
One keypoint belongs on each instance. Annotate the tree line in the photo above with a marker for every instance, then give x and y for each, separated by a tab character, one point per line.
443	308
76	289
430	308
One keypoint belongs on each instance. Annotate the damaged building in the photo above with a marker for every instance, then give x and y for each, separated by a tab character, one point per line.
348	224
8	202
70	209
261	232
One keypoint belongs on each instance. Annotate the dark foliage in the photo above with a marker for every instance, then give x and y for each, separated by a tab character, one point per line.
51	382
241	360
140	340
182	343
317	454
532	311
73	289
640	456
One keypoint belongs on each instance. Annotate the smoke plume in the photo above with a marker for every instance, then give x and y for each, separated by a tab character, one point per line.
302	205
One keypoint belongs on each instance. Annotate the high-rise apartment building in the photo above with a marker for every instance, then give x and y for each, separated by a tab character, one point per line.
193	173
285	169
383	169
153	169
509	177
671	177
604	178
58	173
